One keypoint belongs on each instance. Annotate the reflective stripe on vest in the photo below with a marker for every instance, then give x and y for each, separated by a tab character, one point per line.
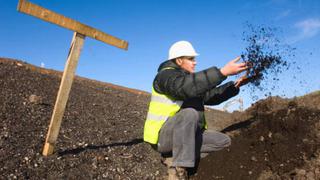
161	107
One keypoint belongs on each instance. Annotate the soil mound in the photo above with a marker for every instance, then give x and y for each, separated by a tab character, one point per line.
280	139
101	133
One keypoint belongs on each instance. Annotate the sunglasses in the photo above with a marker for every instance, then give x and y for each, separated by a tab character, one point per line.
190	58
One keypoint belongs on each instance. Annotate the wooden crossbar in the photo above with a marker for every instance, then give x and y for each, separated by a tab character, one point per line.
29	8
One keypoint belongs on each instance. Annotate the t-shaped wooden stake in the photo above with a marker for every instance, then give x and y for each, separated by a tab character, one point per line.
80	32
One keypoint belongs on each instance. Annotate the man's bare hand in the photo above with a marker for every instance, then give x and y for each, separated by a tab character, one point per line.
243	80
232	67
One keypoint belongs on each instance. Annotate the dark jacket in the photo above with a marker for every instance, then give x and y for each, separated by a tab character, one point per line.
194	89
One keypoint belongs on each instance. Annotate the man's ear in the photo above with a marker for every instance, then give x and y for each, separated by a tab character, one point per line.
179	61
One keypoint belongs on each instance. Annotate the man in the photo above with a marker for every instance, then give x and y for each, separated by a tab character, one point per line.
175	122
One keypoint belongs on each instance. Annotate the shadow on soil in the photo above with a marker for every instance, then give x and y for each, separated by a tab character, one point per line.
96	147
240	125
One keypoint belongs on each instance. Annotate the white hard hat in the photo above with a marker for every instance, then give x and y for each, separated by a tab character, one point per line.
181	48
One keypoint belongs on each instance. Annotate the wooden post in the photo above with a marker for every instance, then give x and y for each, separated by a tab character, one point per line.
63	94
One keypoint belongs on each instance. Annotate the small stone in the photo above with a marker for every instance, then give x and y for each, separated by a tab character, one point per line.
250	172
261	138
253	158
105	175
138	170
94	165
301	172
6	134
270	134
266	174
35	99
81	143
310	175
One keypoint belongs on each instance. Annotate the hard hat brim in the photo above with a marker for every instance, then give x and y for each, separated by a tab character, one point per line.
177	56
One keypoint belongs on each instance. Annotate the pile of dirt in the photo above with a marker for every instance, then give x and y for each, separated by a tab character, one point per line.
280	139
310	100
101	133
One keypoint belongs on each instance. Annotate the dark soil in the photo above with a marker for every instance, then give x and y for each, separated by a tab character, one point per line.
101	133
100	136
272	143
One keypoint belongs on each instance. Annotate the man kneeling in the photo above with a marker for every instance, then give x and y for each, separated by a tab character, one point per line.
175	122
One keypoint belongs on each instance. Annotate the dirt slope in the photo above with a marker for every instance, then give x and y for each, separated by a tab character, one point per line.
101	133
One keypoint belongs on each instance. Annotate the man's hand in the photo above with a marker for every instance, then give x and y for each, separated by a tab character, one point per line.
243	80
232	67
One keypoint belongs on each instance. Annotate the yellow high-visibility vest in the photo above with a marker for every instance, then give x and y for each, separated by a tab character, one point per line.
161	107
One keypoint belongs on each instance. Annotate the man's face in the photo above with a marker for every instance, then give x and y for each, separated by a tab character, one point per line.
187	63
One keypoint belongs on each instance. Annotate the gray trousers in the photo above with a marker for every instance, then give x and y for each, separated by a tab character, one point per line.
182	136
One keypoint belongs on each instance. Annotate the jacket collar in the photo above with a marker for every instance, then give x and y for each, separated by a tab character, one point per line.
170	64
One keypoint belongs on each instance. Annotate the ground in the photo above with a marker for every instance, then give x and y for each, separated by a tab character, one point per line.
102	128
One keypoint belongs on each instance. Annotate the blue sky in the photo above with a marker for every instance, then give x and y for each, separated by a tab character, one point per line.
214	27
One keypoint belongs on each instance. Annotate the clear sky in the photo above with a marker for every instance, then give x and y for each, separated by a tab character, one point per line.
214	27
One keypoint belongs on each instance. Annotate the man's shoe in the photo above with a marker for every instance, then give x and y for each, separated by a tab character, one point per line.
172	174
182	173
167	161
177	173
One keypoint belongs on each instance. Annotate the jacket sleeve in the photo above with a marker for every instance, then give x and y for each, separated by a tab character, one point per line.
220	94
182	85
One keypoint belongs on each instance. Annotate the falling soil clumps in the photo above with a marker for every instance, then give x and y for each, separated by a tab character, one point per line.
266	56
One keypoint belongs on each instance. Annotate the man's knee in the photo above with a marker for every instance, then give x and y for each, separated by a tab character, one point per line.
227	141
215	141
190	115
